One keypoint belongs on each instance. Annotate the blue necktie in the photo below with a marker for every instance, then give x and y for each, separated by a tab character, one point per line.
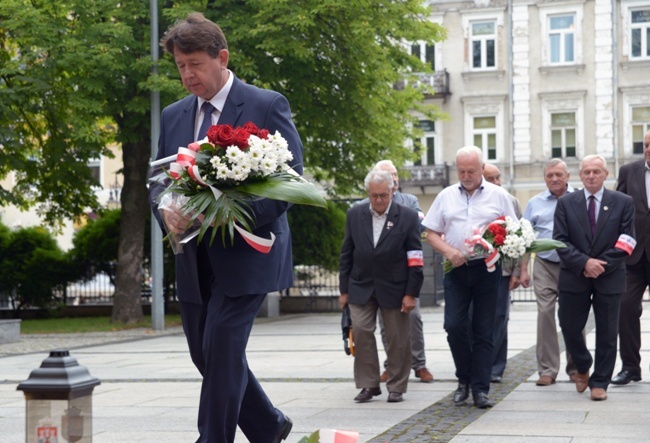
591	211
207	109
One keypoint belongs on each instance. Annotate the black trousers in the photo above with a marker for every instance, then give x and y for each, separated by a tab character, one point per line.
573	314
629	327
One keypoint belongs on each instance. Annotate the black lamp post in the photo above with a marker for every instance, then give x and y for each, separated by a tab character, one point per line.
59	401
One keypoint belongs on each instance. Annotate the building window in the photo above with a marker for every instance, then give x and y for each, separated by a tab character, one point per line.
563	134
483	41
426	146
640	33
484	132
561	38
640	125
95	165
426	53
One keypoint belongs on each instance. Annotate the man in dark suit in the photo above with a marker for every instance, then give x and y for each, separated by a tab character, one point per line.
634	180
418	356
381	269
221	287
597	225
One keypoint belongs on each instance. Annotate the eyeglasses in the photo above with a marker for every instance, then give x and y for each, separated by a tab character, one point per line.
379	196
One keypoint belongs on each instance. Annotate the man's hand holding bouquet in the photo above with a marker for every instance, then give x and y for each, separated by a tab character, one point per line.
504	238
212	183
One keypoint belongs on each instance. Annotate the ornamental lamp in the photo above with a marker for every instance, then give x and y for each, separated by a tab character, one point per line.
59	401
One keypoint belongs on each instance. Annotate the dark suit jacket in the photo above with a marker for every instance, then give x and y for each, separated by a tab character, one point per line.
238	269
383	269
631	181
571	226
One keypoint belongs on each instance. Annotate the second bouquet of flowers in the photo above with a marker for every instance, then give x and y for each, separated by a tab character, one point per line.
505	238
216	180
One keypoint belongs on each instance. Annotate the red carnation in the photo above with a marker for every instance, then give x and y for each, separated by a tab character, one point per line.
499	239
497	229
221	135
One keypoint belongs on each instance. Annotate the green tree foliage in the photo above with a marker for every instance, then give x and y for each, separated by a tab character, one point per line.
95	245
34	268
337	61
75	75
48	132
316	235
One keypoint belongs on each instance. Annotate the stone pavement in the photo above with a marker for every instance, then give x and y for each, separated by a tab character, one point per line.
149	389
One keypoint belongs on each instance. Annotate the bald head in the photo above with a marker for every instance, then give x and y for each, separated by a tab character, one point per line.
492	174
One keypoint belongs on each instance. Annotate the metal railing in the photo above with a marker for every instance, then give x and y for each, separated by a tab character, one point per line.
309	281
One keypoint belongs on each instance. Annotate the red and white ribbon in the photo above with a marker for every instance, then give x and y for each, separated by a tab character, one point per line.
493	254
336	436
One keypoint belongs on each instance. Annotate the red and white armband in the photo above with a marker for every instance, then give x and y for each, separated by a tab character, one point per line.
625	243
414	258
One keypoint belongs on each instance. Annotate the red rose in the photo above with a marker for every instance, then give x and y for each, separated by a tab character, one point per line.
263	134
241	138
499	239
251	128
503	217
221	135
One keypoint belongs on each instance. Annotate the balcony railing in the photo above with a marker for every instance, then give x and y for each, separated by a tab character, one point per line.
431	175
438	80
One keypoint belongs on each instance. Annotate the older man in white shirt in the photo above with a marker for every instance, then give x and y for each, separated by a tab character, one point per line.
457	213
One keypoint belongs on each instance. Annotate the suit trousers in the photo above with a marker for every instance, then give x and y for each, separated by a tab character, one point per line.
629	326
398	350
418	358
501	328
467	287
545	277
217	333
573	314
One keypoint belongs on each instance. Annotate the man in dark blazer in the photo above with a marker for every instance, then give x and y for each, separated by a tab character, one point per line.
634	180
221	287
597	225
381	269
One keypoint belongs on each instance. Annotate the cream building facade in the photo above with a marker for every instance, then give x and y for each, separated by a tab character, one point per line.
530	80
106	172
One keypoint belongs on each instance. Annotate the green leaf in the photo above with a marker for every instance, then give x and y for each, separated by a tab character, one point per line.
545	244
294	191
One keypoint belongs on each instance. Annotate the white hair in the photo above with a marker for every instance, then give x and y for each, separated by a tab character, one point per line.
379	176
470	151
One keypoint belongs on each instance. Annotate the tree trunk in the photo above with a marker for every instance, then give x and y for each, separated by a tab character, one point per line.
127	307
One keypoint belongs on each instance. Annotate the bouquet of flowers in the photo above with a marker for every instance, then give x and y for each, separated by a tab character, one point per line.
214	181
505	237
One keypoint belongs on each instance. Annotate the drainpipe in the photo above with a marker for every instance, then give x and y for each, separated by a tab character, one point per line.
511	112
615	87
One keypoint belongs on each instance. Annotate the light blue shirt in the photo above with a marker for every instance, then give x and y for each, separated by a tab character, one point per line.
540	211
459	216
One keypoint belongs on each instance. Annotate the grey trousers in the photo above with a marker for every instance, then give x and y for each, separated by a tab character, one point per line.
418	359
545	278
366	358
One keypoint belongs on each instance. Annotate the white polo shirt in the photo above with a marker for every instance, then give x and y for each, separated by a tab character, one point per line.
458	215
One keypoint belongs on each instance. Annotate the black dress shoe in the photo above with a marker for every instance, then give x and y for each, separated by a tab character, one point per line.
395	397
461	394
482	401
366	394
284	431
624	377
